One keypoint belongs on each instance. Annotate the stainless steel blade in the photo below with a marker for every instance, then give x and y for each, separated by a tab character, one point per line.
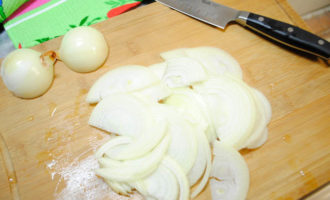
204	10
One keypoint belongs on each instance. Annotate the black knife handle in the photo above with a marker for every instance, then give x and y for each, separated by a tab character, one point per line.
289	35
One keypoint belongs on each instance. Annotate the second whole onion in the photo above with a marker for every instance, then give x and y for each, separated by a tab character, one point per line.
83	49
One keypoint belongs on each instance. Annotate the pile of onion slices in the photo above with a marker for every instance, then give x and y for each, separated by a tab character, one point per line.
168	118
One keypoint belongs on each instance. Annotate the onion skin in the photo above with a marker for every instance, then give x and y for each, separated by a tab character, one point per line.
28	73
83	49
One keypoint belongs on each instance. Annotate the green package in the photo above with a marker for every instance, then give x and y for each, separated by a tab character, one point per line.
56	17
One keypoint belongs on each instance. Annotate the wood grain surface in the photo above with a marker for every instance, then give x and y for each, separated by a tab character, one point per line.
47	146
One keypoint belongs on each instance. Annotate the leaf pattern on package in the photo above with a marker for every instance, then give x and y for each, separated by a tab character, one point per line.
84	22
93	21
41	40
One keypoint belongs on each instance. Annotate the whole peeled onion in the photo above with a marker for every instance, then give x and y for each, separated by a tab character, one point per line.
28	73
83	49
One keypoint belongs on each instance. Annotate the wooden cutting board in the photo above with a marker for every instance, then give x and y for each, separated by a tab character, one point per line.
47	146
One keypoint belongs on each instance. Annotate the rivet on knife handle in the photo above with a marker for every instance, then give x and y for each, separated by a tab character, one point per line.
287	34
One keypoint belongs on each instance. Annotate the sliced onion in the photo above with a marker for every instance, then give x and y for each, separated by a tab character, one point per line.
120	188
128	170
117	141
175	168
231	107
183	71
163	148
216	61
203	165
230	174
260	124
148	139
267	107
155	92
260	140
176	53
123	114
128	115
160	185
187	106
158	69
183	145
121	80
199	166
193	108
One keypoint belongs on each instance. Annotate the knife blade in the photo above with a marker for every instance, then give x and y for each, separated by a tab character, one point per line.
219	15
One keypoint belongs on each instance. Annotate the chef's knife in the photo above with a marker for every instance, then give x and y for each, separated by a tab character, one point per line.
220	15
